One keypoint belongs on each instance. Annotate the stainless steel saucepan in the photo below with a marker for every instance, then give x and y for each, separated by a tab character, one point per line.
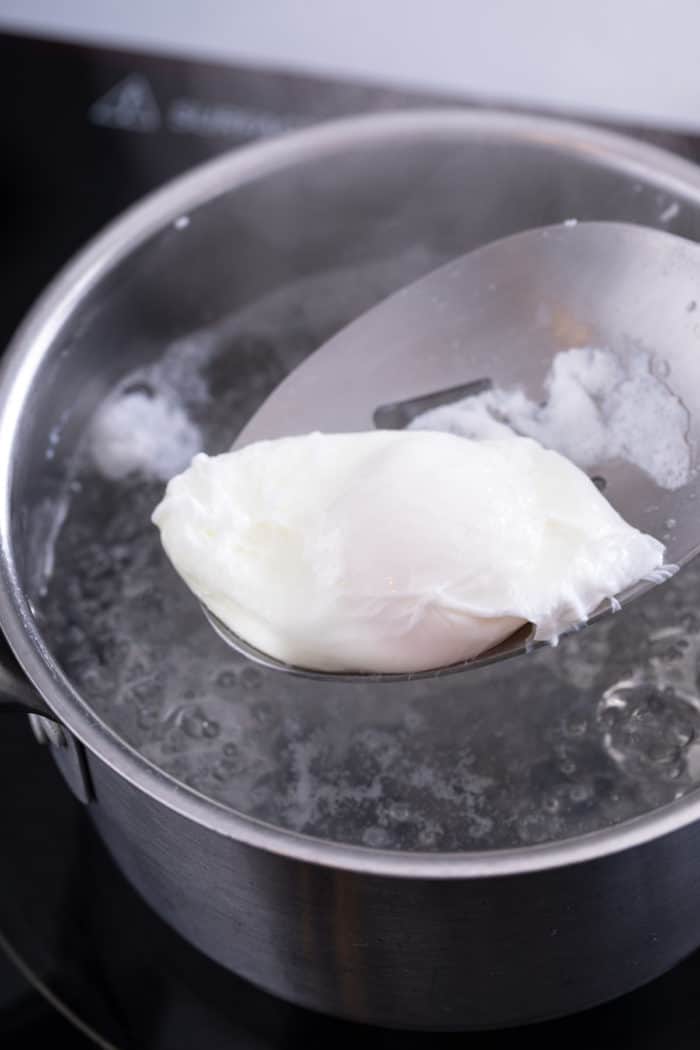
437	855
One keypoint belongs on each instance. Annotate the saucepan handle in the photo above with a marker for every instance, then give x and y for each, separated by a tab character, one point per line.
16	693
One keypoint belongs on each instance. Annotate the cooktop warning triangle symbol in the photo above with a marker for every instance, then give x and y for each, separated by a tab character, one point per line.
130	106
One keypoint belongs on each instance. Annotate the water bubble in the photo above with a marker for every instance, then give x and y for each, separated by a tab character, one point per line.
147	718
649	727
140	386
534	828
375	837
226	679
251	678
574	727
399	811
195	724
148	691
95	681
479	826
226	767
174	742
667	645
580	792
262	713
259	795
429	834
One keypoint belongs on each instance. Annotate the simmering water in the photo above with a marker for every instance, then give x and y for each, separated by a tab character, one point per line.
546	746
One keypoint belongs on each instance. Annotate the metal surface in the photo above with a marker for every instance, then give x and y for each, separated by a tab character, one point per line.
18	696
512	646
442	940
68	754
16	693
499	316
424	952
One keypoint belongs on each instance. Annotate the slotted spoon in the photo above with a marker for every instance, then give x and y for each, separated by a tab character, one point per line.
498	316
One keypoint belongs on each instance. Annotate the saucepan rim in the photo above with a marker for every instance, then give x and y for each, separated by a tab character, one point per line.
53	309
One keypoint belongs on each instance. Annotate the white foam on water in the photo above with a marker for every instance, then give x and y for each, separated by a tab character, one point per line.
142	433
599	406
144	426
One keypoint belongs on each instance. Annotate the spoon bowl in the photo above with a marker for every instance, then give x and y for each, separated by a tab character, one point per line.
497	317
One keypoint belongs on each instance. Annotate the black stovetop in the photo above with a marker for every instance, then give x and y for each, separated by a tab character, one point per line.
89	131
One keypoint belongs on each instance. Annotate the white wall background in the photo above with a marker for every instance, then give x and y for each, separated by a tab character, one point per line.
637	59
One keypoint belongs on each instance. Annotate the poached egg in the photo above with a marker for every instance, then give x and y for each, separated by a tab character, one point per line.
396	551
